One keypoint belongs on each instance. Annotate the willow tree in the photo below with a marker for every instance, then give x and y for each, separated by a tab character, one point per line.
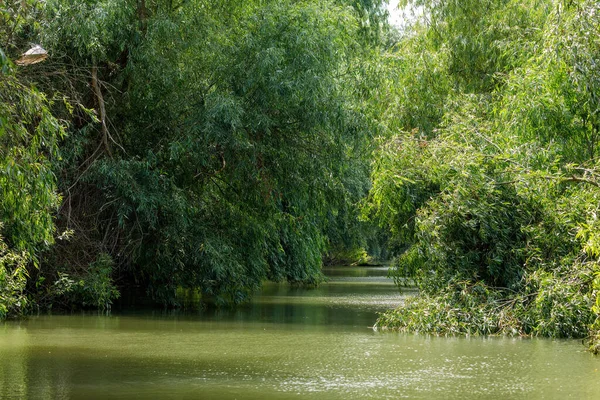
228	136
28	197
496	207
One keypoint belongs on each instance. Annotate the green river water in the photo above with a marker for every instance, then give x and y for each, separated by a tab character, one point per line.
289	343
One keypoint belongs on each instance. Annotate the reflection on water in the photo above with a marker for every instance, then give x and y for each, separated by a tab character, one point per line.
289	343
378	272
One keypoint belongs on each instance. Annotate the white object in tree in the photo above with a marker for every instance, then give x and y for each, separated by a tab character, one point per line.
34	55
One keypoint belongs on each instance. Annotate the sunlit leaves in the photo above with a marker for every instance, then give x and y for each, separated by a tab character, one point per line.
553	98
28	138
29	135
510	179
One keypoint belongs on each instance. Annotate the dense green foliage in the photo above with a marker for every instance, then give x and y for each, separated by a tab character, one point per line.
210	145
28	142
493	195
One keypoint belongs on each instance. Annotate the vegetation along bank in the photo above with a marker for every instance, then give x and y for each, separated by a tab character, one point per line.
155	146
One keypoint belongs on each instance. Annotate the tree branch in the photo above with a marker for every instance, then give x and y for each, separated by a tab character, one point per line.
102	110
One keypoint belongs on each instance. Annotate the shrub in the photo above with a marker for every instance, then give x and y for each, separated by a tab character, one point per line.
96	288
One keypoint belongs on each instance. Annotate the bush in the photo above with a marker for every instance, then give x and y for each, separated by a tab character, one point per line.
96	288
497	207
461	308
13	277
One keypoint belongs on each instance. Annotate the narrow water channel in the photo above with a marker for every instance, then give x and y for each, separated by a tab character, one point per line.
289	343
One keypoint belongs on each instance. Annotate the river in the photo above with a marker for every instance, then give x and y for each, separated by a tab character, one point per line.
289	343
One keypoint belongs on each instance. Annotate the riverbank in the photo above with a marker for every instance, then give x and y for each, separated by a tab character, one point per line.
555	307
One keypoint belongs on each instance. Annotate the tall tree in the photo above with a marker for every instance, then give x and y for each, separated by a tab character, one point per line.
227	134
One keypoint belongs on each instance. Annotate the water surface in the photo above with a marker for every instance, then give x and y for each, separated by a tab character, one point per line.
289	343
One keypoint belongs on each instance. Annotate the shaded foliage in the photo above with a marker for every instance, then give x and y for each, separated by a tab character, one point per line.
212	145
